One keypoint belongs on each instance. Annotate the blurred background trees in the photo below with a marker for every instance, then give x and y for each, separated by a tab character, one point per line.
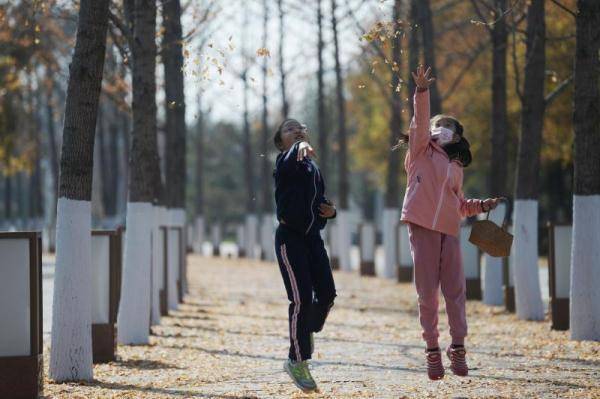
478	47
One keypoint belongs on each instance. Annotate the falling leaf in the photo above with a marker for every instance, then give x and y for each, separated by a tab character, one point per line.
263	52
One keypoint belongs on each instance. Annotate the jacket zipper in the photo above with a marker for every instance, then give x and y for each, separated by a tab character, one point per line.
439	205
312	203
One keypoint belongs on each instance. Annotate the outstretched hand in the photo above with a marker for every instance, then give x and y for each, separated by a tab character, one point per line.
305	150
423	78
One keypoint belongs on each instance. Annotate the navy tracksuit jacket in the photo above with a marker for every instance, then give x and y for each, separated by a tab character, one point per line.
303	260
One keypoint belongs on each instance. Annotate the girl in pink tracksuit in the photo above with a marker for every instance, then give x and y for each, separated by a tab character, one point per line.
433	207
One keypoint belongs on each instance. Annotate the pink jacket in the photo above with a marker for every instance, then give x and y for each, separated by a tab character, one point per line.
434	198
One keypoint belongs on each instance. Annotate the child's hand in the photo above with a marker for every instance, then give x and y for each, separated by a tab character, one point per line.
327	210
304	151
422	78
490	203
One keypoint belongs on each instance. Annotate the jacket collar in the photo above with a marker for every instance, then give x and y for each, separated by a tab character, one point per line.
438	147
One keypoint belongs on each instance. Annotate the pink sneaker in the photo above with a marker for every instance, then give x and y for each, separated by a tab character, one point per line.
435	368
458	361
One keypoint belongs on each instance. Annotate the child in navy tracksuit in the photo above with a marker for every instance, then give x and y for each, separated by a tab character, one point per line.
302	211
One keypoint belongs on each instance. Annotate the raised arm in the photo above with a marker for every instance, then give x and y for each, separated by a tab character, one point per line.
419	126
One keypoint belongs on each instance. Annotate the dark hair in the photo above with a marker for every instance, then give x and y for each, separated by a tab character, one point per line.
277	136
460	151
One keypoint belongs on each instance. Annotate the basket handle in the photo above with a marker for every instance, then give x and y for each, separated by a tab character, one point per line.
507	214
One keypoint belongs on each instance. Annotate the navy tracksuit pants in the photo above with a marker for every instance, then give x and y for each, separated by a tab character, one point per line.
307	276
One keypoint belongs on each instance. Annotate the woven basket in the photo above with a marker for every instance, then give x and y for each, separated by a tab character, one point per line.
491	238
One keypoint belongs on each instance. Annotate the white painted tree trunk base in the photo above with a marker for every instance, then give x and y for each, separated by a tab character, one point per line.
344	239
134	308
267	231
493	291
215	239
198	234
251	236
157	263
178	219
390	219
71	342
585	268
528	294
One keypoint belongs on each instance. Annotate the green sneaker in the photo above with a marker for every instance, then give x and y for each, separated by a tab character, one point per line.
300	374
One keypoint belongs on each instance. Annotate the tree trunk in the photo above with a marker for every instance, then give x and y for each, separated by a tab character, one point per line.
392	199
124	125
428	33
413	51
527	285
284	102
266	172
8	197
322	124
21	208
172	56
344	235
392	195
144	178
71	348
52	139
36	199
199	182
499	161
251	220
585	274
199	198
113	162
266	227
106	171
341	105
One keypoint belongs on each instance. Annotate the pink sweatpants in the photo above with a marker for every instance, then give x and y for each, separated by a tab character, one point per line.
438	262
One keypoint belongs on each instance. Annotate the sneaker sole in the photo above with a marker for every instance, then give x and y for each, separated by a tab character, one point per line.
300	387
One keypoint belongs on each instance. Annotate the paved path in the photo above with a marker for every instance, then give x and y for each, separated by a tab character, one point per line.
229	340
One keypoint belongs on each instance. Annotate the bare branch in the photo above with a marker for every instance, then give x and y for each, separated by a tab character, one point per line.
125	31
444	7
472	58
483	19
498	18
122	50
558	90
564	8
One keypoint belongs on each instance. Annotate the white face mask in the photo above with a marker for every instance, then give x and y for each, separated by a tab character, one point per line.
442	135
